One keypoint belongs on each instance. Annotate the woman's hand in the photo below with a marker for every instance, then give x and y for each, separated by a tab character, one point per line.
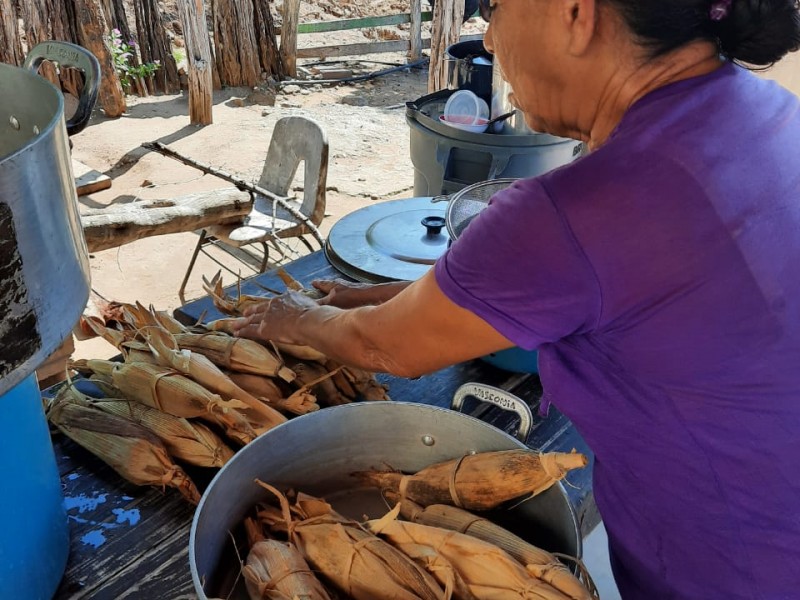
275	318
347	294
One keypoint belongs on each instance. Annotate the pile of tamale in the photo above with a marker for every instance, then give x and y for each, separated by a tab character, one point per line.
187	394
299	546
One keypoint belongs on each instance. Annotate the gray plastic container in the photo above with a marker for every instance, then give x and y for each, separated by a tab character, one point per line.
446	159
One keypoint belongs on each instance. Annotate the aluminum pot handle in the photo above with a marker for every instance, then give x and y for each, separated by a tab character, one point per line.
71	55
501	398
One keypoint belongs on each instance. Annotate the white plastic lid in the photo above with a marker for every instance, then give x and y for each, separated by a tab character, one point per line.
465	107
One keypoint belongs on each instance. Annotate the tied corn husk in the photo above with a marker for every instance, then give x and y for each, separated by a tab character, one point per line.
193	443
300	402
128	448
236	354
358	563
168	391
277	571
539	563
203	371
316	378
480	481
471	567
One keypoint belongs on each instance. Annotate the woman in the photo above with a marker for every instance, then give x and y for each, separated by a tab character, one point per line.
659	277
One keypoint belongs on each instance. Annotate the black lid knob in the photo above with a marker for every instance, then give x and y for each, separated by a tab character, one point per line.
433	225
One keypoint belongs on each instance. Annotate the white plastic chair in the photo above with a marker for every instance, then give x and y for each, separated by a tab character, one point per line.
294	140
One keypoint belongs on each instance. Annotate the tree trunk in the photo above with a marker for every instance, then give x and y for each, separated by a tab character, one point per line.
111	227
198	55
235	43
92	32
447	18
268	52
154	45
291	15
10	45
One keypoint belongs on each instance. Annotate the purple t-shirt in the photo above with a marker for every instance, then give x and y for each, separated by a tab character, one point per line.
659	277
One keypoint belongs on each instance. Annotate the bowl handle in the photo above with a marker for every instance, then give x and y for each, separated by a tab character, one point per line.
501	398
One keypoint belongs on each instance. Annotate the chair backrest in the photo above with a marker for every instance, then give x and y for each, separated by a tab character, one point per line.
297	139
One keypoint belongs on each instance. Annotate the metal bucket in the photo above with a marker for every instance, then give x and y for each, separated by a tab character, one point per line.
316	453
44	266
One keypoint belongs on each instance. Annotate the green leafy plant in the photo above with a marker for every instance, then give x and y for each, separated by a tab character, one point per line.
130	74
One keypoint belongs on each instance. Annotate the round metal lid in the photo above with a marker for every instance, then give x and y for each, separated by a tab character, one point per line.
396	240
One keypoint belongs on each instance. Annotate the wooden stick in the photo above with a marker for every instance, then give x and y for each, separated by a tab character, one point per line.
291	16
238	182
198	55
447	18
416	30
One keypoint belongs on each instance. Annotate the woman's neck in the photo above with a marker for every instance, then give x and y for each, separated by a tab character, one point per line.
620	89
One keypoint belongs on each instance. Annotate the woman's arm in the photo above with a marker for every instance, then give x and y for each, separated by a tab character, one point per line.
415	332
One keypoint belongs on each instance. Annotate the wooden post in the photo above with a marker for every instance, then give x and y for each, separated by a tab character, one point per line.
198	55
235	43
92	32
268	52
447	18
10	46
291	16
415	52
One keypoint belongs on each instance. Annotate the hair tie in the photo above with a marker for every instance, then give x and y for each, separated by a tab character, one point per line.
720	10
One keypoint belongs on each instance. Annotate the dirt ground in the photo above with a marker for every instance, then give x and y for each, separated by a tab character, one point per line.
369	159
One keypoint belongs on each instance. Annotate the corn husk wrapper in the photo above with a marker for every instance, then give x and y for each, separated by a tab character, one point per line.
364	384
539	563
236	354
113	336
300	352
358	563
190	442
316	378
277	571
168	391
225	303
168	322
488	572
480	481
128	448
140	352
298	403
203	371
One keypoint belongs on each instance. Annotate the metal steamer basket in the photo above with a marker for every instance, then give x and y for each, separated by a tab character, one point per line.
317	453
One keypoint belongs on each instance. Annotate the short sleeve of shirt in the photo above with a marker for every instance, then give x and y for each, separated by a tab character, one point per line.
519	268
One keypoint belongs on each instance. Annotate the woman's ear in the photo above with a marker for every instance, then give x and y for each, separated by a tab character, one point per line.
580	19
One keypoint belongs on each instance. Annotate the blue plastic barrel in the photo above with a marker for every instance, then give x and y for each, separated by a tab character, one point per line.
34	535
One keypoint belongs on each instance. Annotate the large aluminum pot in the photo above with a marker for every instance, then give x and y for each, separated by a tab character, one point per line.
44	267
316	453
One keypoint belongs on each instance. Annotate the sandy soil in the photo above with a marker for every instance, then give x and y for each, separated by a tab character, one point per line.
369	160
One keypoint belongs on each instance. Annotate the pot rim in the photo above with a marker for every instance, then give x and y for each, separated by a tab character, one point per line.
45	87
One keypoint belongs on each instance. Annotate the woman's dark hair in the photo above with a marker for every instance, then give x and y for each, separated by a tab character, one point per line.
754	32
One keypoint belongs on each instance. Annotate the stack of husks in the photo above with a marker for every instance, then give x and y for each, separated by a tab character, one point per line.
180	391
425	547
